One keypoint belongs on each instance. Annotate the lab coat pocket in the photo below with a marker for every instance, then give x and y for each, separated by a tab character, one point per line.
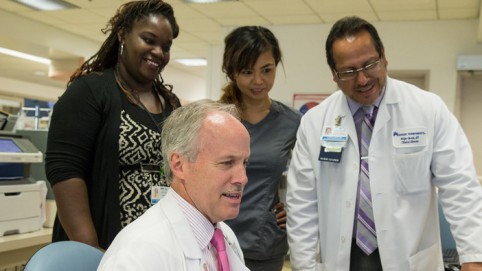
425	259
412	172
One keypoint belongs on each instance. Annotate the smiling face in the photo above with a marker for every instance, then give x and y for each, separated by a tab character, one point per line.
255	83
146	50
214	182
355	52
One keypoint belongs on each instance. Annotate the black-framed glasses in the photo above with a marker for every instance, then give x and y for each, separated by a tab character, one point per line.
351	74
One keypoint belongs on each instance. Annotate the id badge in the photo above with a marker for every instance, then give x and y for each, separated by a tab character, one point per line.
157	193
330	155
333	140
334	137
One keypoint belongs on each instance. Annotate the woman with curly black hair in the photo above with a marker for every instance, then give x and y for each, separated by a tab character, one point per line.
103	153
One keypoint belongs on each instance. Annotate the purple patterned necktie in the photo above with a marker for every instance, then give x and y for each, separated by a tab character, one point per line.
366	237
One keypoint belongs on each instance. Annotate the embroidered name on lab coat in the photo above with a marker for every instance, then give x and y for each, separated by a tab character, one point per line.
409	137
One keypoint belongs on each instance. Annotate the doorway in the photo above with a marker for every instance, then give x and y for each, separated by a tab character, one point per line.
469	112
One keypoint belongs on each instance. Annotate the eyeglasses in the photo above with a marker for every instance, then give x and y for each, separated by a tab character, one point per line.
351	74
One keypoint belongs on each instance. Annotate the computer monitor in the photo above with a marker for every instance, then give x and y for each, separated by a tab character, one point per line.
39	139
18	150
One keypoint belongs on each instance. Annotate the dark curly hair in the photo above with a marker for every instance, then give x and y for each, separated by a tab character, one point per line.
123	21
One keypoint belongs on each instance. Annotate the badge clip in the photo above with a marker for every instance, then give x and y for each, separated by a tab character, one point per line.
338	120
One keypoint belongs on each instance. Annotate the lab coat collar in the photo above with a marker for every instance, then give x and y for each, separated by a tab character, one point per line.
390	99
181	228
391	96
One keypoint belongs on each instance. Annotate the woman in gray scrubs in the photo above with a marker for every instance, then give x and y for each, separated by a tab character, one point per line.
251	56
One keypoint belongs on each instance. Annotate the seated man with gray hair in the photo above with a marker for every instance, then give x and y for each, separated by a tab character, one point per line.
205	149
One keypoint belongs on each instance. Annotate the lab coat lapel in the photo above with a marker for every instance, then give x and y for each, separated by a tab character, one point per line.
234	255
182	229
383	115
347	122
234	262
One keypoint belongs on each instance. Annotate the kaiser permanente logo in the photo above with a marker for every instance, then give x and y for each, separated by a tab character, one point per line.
408	134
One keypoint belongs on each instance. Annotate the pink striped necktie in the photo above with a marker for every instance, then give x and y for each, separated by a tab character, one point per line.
218	243
366	236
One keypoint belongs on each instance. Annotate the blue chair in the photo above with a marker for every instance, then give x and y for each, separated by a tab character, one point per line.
65	255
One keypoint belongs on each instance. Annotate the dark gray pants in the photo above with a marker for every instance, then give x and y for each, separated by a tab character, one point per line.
275	264
359	261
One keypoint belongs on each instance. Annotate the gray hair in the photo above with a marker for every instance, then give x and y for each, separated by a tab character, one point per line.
180	132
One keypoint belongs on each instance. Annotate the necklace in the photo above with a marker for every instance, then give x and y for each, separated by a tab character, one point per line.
134	92
138	100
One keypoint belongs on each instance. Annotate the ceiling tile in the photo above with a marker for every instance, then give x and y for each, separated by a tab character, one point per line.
198	25
295	19
8	5
466	13
408	15
403	5
42	17
280	7
340	6
333	17
89	31
172	2
443	4
224	9
238	21
90	4
105	13
186	11
76	16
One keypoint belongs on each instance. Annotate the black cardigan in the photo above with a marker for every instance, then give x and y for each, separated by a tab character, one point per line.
83	142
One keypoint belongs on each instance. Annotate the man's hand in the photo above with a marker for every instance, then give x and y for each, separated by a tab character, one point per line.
472	267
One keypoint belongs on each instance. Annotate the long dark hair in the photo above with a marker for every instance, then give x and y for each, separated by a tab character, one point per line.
123	21
243	46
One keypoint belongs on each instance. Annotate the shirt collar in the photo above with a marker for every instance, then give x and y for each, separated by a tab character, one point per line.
202	228
354	106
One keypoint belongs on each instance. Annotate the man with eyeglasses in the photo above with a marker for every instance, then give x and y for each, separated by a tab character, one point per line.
364	196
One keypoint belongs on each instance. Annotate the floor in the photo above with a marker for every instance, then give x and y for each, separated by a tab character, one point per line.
287	265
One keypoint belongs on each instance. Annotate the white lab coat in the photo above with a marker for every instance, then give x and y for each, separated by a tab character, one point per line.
321	196
162	239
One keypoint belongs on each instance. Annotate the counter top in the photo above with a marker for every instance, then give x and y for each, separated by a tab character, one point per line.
23	240
16	249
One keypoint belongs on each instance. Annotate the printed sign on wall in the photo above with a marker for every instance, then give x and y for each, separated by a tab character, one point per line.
304	102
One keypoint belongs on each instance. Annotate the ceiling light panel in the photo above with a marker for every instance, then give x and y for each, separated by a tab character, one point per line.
24	56
46	4
193	62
